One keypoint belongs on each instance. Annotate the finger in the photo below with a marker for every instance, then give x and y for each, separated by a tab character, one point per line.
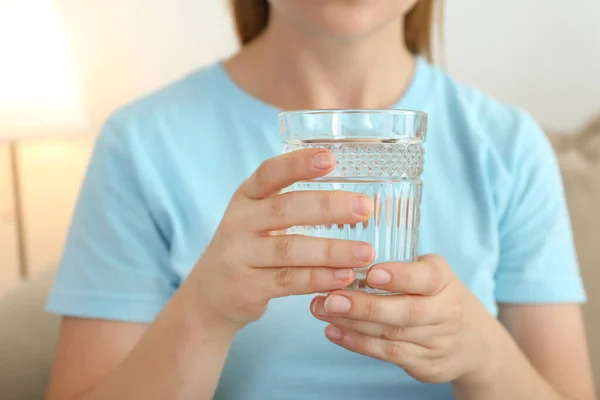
306	208
398	310
281	282
427	277
277	173
307	251
397	352
421	335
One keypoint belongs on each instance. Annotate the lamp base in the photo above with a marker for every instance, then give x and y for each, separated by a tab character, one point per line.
18	204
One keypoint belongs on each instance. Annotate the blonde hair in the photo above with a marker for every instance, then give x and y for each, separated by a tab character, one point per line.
252	16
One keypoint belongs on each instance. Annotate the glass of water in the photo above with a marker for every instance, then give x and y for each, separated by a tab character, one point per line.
378	153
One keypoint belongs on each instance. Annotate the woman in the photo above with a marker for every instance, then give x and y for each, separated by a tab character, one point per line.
164	287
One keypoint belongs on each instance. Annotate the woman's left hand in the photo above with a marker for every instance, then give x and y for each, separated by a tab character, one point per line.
437	330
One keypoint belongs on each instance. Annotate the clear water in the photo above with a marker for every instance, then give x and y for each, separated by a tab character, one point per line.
395	192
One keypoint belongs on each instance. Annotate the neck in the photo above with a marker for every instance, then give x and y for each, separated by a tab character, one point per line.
294	69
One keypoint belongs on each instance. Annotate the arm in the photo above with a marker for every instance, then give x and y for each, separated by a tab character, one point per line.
545	356
180	356
115	267
438	332
538	285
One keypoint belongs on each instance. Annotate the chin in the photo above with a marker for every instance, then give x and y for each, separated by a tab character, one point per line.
344	19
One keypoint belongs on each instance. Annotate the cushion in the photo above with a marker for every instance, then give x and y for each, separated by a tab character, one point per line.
27	339
579	158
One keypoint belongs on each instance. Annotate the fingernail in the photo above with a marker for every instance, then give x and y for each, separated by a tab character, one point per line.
364	252
322	160
362	205
337	305
333	333
379	277
342	274
318	308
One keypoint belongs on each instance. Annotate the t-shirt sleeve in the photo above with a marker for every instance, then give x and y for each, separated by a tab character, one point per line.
116	260
538	262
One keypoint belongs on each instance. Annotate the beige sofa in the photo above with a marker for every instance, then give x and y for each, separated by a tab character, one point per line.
27	334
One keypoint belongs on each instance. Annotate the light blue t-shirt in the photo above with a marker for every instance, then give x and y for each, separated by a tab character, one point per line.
165	167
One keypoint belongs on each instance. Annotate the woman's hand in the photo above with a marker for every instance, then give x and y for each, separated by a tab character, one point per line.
437	331
247	264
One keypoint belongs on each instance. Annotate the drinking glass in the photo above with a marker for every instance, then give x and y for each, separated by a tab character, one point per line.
378	153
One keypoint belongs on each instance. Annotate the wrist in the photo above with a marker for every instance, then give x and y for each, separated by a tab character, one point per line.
492	355
481	380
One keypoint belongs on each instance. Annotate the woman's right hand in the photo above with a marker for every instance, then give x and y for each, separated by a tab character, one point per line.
247	263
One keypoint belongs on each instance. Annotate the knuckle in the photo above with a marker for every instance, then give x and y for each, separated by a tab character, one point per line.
329	253
393	351
283	250
284	277
393	332
278	206
362	343
326	201
413	313
369	312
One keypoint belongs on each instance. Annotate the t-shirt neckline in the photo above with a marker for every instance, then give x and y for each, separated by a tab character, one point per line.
414	98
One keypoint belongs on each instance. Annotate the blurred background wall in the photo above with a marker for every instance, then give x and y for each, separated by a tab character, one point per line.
542	56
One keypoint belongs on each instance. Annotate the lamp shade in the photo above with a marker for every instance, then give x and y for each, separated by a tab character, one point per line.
39	92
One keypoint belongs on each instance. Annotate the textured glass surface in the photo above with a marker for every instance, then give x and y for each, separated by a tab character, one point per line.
388	170
370	158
